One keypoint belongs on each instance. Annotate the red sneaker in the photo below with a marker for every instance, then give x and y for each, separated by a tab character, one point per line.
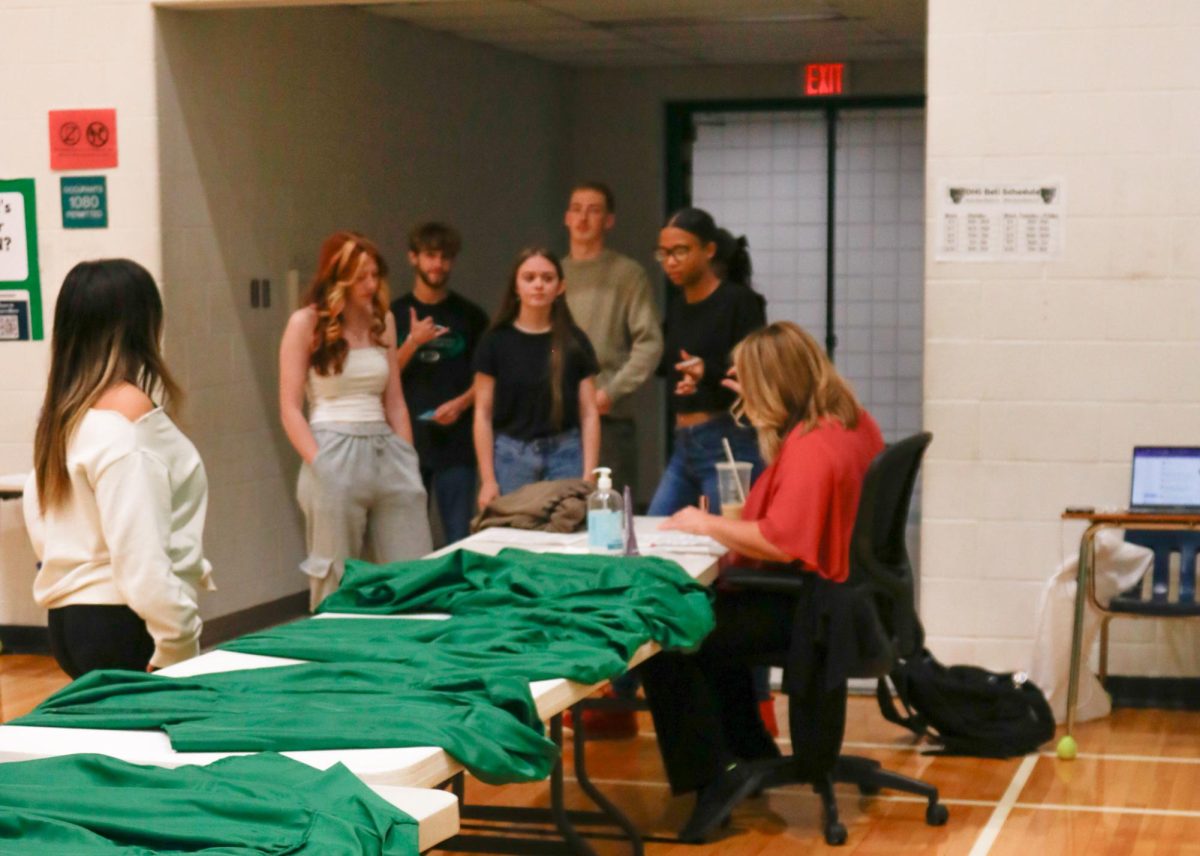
766	709
610	724
606	724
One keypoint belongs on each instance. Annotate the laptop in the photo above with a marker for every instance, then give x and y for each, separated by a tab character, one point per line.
1166	480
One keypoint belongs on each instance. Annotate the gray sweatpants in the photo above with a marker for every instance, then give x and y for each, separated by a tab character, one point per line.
362	498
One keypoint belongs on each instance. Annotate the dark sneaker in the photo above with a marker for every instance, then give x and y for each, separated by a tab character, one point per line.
716	801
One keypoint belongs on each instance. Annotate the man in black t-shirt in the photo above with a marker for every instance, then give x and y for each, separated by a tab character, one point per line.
438	331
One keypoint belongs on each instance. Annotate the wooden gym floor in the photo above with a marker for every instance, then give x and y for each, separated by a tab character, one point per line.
1134	789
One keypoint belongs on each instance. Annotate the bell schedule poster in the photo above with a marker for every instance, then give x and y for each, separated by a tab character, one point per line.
999	221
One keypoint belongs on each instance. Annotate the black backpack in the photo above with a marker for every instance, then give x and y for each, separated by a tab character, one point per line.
968	710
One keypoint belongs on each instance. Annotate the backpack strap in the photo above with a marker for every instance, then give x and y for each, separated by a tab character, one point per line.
914	722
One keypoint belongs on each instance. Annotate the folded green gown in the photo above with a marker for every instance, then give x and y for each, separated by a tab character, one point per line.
674	609
489	723
80	805
534	645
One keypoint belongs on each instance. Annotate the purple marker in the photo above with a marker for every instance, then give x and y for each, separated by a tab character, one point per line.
631	547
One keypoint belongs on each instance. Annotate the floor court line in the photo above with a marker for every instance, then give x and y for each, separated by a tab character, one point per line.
1139	759
802	791
1110	809
991	830
795	791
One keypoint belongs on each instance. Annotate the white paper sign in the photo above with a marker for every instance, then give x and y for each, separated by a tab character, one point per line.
14	254
997	221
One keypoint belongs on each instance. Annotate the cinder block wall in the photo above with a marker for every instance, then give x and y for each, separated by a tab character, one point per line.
68	55
280	126
1039	378
245	137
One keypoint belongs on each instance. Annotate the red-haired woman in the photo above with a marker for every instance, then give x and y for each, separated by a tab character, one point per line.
360	484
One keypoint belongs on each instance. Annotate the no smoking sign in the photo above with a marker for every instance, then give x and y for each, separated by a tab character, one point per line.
83	139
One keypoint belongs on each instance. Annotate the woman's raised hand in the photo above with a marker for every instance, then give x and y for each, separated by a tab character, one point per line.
731	381
692	369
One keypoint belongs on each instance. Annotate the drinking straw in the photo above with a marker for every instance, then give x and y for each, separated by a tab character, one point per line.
732	463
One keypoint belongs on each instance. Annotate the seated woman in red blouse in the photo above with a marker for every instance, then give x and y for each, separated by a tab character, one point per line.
819	442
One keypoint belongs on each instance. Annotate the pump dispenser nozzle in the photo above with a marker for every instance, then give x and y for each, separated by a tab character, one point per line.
604	515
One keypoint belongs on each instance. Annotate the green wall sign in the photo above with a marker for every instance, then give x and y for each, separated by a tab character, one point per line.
20	275
85	202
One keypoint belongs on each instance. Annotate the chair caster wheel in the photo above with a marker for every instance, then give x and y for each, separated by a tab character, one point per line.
835	834
868	790
937	815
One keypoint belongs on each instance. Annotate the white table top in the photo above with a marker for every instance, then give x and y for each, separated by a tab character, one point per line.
436	812
419	767
13	482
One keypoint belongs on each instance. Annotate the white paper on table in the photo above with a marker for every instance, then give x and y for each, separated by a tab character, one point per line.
682	542
527	538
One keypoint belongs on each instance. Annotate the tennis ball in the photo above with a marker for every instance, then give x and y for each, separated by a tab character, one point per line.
1067	748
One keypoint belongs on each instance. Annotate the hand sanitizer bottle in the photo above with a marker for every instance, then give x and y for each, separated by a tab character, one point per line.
605	522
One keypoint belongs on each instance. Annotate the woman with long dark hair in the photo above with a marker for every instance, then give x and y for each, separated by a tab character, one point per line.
360	484
116	502
819	441
535	393
713	310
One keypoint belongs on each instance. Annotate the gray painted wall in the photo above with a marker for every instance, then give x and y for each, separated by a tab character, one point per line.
278	127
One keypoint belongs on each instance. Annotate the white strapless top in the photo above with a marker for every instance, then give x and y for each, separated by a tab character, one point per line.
355	395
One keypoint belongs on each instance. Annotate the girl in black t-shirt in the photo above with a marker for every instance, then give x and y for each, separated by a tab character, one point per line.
712	311
535	394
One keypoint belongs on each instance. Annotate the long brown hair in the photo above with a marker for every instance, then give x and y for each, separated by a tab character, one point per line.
789	383
561	323
107	330
341	258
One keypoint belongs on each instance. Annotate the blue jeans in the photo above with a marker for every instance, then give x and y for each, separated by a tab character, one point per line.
453	489
691	472
519	462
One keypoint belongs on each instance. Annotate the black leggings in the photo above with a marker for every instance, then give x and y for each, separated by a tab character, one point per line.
704	704
87	637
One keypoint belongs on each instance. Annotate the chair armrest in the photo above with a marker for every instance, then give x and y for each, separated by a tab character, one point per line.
781	579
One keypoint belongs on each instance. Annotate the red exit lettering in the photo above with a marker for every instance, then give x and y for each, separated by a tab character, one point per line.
825	78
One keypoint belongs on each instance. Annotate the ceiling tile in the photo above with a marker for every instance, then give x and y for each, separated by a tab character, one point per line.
667	32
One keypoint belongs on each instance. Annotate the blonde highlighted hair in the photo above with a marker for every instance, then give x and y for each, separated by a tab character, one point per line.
339	263
789	383
107	330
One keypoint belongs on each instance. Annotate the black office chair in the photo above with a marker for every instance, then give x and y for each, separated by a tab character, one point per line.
843	630
1155	596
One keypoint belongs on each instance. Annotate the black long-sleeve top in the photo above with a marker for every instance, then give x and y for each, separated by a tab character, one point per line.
709	329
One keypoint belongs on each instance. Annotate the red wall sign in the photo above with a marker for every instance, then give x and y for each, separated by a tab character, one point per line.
826	78
83	139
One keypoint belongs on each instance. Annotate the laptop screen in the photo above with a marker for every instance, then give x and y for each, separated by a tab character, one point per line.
1165	478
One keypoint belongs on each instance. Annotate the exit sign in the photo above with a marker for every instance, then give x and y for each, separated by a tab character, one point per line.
825	78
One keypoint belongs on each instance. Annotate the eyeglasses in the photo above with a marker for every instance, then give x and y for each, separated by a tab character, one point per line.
676	254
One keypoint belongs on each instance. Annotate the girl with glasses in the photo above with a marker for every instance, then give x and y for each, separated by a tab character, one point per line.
713	309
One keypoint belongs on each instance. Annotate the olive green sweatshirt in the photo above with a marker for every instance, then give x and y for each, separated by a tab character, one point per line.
610	298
